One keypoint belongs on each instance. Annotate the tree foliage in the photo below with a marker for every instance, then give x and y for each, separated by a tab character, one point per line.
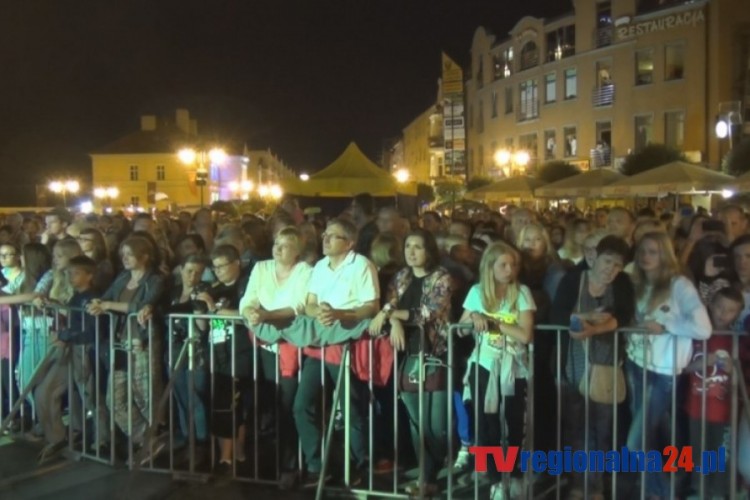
653	155
737	161
554	171
425	193
449	191
477	182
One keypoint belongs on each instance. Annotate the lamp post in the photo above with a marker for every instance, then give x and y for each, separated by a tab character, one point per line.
107	194
190	156
241	189
511	162
63	187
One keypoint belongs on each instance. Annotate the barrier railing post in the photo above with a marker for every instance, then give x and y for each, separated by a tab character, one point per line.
338	389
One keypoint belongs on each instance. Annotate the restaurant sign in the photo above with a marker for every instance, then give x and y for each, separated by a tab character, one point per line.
626	28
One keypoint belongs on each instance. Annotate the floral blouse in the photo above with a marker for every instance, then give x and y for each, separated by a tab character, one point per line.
435	309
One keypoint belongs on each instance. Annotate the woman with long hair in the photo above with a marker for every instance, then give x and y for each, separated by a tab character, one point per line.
501	310
94	246
139	290
669	309
421	293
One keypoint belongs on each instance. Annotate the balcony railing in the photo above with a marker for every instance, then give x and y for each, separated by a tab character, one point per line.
603	95
528	110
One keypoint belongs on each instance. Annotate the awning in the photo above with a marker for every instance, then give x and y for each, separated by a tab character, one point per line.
521	187
677	177
584	185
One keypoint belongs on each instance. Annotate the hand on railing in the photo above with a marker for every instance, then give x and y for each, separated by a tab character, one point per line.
652	327
145	315
326	314
95	307
397	337
39	301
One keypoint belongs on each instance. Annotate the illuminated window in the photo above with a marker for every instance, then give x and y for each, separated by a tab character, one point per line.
561	43
674	129
644	67
571	83
550	87
133	172
529	100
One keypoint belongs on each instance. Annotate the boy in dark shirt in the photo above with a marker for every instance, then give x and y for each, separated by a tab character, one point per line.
75	344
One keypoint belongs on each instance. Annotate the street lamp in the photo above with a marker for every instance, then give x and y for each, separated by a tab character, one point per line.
190	156
243	188
512	161
63	188
304	177
272	191
401	175
107	194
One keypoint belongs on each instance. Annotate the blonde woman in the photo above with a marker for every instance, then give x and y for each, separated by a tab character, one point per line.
501	310
669	308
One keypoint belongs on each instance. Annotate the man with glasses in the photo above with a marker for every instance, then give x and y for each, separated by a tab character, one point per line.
344	287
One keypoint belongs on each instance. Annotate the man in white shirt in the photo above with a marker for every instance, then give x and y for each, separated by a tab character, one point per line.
344	287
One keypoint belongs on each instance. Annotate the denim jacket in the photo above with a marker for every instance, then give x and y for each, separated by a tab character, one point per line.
150	291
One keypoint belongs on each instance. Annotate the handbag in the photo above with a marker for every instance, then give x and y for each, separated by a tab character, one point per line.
602	379
435	374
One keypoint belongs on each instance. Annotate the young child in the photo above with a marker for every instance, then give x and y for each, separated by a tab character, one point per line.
75	344
724	308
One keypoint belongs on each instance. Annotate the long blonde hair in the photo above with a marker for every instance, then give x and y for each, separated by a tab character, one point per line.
550	254
487	286
669	267
62	290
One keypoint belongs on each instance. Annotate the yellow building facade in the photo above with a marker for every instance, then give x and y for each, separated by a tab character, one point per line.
145	168
606	80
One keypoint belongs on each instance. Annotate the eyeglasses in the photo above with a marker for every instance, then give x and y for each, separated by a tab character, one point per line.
222	266
328	236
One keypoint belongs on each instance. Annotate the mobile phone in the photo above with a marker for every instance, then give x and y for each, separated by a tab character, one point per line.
721	261
576	325
710	225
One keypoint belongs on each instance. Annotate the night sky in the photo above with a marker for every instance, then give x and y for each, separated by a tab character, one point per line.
303	77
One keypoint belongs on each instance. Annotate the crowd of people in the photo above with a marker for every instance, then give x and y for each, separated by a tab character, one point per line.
676	277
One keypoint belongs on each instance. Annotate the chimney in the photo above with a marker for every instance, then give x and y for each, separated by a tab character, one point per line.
182	120
148	123
193	126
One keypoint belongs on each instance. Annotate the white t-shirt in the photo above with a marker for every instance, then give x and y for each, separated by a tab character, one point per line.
264	289
353	283
490	344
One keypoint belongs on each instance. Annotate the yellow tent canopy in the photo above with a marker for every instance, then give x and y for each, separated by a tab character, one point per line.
349	174
677	177
741	183
584	185
522	187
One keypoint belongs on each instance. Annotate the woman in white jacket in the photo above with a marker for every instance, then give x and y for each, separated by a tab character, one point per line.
669	308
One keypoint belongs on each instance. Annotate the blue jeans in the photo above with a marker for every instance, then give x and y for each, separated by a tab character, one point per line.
182	397
464	421
658	397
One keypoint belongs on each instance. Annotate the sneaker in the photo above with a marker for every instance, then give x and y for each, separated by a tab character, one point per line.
413	490
383	466
338	421
497	492
463	460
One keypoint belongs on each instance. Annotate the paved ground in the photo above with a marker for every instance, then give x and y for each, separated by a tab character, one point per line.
22	479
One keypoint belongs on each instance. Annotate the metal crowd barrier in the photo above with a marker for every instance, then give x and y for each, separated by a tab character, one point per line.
160	410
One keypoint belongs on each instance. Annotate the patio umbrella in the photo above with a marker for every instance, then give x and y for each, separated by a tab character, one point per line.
584	185
522	187
677	177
